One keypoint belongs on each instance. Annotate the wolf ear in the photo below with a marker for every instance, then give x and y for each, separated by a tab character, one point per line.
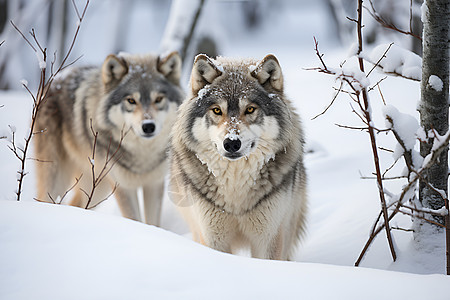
268	73
113	69
170	67
204	72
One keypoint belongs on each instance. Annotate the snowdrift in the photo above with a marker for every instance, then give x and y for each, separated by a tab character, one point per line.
60	252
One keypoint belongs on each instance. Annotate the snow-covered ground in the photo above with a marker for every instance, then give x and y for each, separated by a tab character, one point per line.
60	252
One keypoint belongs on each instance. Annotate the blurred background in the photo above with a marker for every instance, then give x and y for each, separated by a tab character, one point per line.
215	27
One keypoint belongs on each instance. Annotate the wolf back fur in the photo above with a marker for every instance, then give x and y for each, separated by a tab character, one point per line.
131	101
255	194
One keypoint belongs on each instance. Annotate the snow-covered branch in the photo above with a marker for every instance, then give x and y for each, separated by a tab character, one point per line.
396	61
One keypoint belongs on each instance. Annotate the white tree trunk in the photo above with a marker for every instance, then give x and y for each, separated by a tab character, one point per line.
180	26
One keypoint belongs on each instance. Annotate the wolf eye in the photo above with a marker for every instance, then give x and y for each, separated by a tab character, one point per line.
131	101
217	111
159	99
250	110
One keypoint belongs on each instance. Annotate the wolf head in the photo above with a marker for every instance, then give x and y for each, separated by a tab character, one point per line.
141	91
236	107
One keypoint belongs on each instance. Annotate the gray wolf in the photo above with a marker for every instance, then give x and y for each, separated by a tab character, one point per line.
237	169
131	101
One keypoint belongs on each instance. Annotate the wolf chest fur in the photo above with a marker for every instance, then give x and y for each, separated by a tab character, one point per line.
131	102
237	168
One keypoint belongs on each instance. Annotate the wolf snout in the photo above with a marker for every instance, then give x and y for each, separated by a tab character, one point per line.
232	146
148	127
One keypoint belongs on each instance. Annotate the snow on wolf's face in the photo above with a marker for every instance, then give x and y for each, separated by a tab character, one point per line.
234	113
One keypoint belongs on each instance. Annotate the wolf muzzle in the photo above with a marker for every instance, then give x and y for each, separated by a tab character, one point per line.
232	146
148	127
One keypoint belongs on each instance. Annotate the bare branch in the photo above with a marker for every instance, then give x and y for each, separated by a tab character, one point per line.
422	218
111	158
41	94
403	229
352	127
377	85
331	103
23	36
389	25
380	59
373	140
106	198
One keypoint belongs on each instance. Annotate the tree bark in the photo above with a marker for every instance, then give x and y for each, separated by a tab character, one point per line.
434	106
417	28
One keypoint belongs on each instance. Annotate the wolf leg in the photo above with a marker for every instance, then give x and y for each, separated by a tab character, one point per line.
78	199
217	242
54	179
218	229
128	203
153	196
269	247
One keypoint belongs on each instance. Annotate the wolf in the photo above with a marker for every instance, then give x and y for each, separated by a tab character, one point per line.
237	171
124	110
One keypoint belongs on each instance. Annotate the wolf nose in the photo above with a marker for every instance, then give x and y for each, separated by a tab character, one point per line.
148	127
231	145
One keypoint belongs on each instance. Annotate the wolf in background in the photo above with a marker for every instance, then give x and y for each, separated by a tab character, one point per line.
131	101
237	168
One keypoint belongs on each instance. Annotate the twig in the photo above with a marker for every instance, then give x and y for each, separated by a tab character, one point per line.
331	103
388	25
422	218
434	157
426	211
41	94
377	85
110	160
23	36
372	138
106	198
316	48
402	229
351	127
379	89
64	195
380	59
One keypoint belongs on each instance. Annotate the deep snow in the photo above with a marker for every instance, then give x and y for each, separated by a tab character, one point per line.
59	252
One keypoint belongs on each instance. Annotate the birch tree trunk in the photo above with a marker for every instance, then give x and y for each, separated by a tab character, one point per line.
180	26
434	106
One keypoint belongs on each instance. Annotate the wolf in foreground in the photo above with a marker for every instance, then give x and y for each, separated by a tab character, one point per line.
237	168
131	101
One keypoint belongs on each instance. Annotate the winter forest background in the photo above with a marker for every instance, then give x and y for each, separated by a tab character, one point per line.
224	26
115	258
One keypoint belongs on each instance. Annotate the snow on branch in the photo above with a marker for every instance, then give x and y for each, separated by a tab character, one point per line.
358	82
394	60
406	130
